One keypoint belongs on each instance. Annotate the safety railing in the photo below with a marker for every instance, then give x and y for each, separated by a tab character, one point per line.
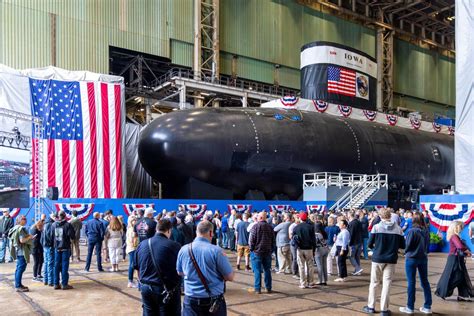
340	180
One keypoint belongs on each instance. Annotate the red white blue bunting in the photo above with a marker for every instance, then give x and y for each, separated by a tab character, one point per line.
279	207
130	208
83	210
345	110
320	105
436	127
197	210
451	130
241	208
311	208
443	214
370	115
415	122
14	211
392	119
289	101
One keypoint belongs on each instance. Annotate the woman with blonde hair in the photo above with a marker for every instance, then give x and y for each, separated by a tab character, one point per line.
455	274
37	251
114	236
132	244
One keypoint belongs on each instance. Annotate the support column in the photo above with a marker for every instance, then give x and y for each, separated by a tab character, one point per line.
182	97
244	100
384	70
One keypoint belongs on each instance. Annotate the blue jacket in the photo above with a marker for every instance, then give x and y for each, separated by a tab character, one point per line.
417	243
95	230
47	235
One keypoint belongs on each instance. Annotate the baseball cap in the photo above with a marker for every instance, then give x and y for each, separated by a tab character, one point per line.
303	216
149	210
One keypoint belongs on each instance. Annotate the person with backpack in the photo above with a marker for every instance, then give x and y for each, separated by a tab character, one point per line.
62	232
21	244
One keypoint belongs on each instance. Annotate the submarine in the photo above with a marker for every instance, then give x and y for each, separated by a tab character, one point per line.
269	150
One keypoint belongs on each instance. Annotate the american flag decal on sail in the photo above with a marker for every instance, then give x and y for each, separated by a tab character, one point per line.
82	137
341	81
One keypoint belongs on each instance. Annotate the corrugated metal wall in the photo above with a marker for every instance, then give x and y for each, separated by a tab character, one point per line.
262	33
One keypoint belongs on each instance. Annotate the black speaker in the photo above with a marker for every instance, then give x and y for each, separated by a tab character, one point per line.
52	193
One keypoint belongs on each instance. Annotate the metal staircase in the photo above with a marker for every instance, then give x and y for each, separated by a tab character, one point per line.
361	187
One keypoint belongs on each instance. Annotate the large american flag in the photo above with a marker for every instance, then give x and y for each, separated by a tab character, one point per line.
341	81
81	137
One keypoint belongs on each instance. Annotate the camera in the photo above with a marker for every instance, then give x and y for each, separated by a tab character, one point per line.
215	305
166	296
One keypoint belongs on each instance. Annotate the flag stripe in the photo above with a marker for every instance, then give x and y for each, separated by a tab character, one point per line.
73	168
93	140
112	142
118	139
80	168
66	167
100	145
105	138
57	143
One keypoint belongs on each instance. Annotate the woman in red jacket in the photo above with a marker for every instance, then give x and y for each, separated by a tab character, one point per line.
455	274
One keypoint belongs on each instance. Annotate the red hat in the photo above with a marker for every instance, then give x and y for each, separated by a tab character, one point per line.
303	216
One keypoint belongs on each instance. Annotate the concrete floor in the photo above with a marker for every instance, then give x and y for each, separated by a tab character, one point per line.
106	294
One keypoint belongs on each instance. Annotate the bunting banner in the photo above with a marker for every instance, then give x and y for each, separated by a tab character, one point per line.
443	214
345	110
83	210
241	208
289	101
279	207
370	115
14	211
130	208
451	130
197	210
392	119
436	127
320	105
311	208
415	122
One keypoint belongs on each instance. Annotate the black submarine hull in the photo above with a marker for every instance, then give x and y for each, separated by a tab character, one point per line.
269	150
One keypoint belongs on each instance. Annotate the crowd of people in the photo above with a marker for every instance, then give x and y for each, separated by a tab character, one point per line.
176	252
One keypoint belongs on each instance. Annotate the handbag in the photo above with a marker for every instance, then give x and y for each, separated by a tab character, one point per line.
333	250
215	302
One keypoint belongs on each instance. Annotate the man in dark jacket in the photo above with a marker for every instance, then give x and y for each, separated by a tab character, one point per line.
63	232
385	240
6	223
95	232
364	225
48	250
261	242
305	241
355	229
184	229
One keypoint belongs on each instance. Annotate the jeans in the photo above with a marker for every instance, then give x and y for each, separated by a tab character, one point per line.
152	300
411	265
321	257
294	261
231	232
200	307
4	243
131	259
20	268
37	263
225	240
365	248
97	244
261	264
61	265
48	265
355	257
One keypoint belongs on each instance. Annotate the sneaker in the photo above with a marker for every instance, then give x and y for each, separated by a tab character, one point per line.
37	280
85	271
311	286
21	289
67	287
268	291
132	285
302	286
296	277
426	310
358	272
238	267
368	310
385	313
247	268
340	280
280	272
406	310
57	287
254	291
464	299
